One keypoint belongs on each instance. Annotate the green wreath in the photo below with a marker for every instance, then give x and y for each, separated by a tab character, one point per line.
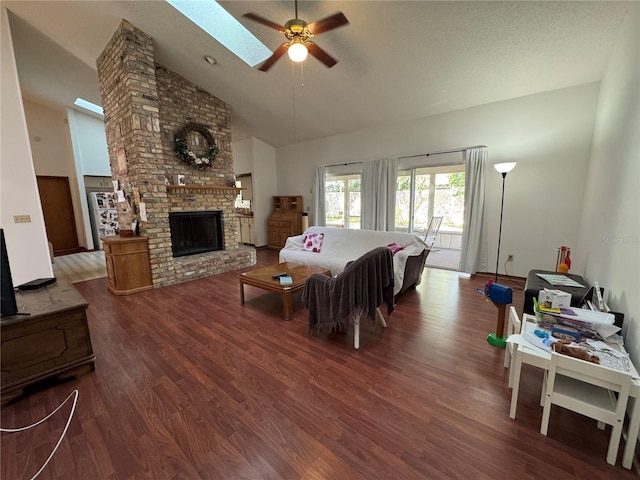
184	153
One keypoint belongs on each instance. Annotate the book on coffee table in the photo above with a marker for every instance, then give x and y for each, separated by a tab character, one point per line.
286	280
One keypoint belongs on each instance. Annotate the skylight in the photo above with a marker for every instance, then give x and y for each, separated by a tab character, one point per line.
220	25
80	102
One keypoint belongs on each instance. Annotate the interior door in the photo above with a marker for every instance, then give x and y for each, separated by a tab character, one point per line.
57	208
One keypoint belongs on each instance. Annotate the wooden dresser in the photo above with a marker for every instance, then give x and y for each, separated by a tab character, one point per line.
128	267
285	220
53	341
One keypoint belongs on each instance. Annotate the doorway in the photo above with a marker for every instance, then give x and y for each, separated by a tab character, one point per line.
57	209
424	192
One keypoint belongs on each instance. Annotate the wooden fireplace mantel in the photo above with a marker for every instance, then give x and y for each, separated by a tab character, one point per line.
203	187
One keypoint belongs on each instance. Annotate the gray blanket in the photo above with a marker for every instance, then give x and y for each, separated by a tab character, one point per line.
364	284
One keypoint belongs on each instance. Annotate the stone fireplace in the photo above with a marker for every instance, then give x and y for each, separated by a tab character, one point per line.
145	104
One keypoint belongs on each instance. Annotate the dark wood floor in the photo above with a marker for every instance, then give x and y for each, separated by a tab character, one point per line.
189	385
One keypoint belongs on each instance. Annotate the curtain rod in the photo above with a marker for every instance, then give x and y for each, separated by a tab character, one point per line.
453	150
342	164
417	155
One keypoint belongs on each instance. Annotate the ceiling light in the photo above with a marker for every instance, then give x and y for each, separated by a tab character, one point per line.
297	50
210	60
220	25
82	103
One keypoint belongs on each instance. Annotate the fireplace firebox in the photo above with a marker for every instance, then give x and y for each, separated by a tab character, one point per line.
195	232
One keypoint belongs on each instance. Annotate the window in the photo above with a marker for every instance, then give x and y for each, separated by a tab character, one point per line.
424	192
342	195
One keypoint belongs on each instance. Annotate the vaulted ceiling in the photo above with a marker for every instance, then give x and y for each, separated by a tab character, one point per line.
398	60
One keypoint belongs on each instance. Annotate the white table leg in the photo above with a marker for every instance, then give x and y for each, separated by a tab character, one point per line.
632	435
516	384
543	393
511	348
381	318
508	357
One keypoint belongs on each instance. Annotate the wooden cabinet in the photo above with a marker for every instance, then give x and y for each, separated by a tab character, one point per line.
128	267
285	220
98	182
247	230
52	342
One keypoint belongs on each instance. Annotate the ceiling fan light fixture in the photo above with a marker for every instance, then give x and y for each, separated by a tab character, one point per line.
298	34
297	50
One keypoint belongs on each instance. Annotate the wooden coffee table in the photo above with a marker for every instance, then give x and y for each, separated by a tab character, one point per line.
263	278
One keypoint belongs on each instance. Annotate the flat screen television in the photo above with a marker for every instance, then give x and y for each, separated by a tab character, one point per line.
9	305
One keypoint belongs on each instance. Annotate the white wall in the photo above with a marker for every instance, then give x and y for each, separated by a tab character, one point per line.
259	159
610	227
264	187
91	157
90	143
26	242
243	156
548	134
53	154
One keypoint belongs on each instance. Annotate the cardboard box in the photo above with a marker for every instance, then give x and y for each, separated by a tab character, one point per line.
554	298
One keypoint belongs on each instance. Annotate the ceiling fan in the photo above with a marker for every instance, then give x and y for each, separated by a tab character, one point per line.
298	33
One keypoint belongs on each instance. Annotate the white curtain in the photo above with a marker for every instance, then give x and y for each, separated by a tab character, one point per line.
378	194
319	202
473	255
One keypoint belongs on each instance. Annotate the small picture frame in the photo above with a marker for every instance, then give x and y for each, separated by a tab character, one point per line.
179	180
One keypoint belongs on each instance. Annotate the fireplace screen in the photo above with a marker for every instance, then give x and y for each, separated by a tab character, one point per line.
195	232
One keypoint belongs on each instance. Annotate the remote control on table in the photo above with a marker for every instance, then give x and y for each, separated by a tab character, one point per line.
278	275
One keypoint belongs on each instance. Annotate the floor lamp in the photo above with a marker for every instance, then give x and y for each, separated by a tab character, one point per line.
503	295
503	168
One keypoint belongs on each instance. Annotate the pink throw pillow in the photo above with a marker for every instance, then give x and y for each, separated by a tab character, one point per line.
312	242
395	248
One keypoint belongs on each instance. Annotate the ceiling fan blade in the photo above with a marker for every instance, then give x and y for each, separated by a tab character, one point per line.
334	21
321	55
274	58
257	18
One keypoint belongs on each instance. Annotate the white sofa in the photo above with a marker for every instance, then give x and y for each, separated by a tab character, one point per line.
344	245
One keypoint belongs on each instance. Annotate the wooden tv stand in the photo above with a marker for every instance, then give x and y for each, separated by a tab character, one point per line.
52	342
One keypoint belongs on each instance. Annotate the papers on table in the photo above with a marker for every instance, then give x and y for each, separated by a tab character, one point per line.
585	316
609	357
558	279
609	354
587	322
543	343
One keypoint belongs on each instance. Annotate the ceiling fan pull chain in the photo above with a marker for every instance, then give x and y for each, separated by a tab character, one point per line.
293	94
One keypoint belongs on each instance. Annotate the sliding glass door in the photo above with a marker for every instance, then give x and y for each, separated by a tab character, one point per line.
424	192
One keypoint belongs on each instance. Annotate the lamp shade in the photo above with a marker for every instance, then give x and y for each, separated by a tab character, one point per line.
504	167
297	50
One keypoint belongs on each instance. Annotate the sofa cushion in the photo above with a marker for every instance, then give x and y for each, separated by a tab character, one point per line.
395	248
312	242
